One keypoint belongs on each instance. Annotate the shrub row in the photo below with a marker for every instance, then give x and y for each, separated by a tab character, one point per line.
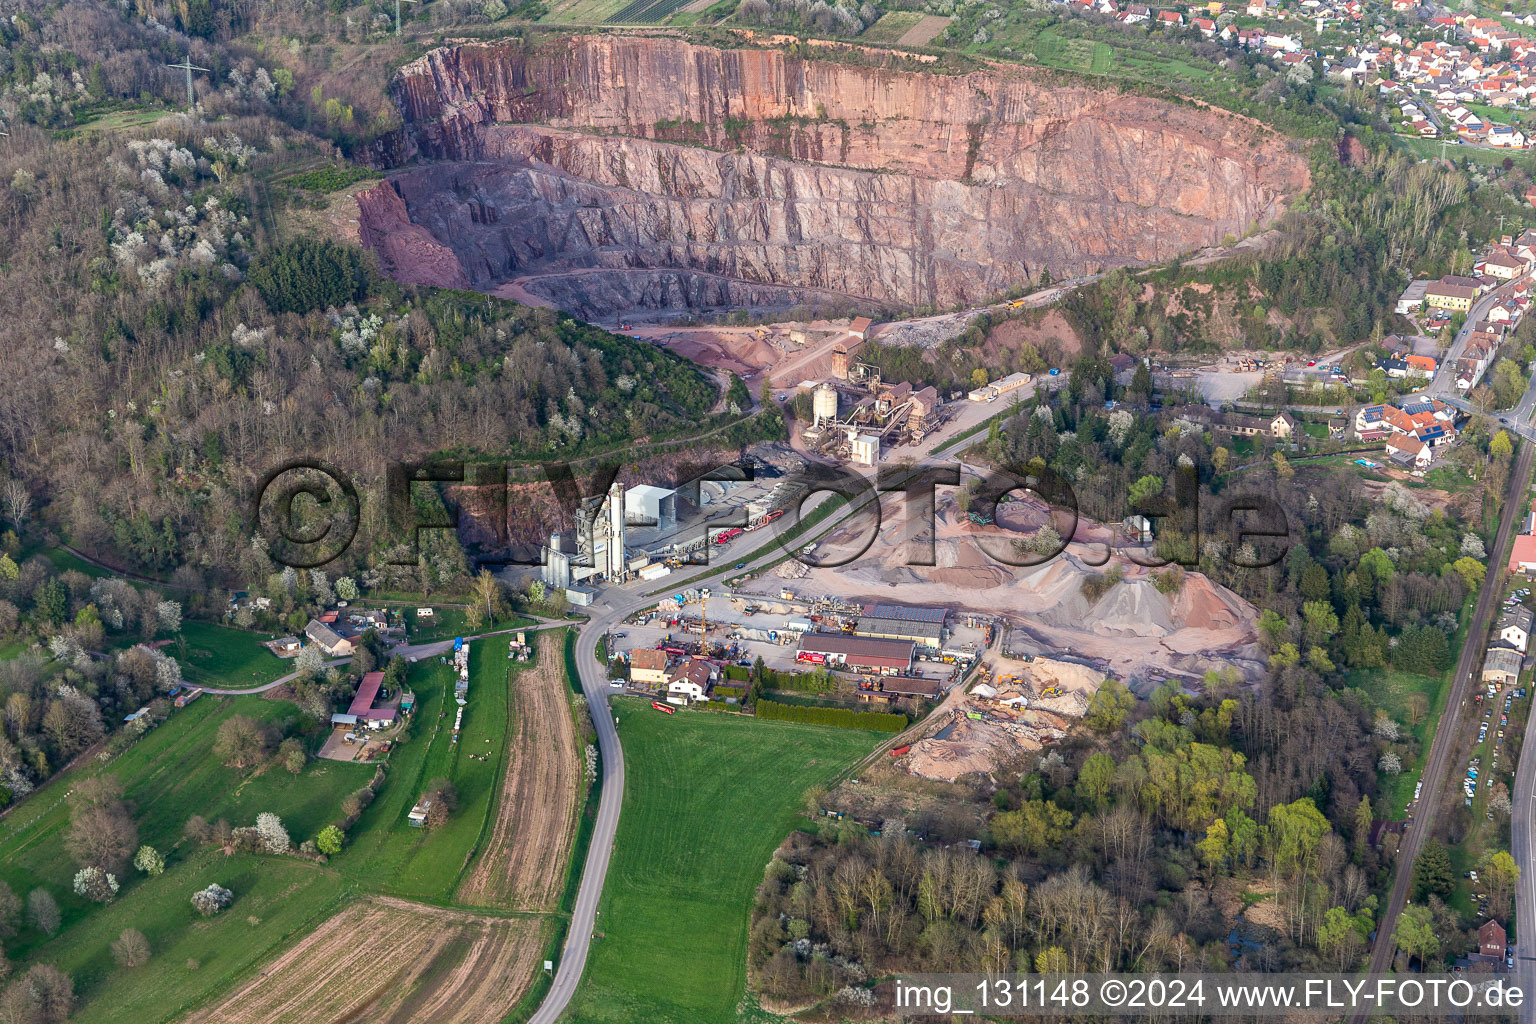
843	718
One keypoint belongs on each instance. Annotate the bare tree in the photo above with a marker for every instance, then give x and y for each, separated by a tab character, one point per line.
43	911
242	741
131	949
17	501
101	830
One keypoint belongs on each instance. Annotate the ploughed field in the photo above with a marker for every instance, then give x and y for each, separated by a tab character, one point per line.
602	174
523	860
390	961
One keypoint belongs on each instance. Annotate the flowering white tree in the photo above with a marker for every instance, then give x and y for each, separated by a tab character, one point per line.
211	900
149	861
1390	763
310	662
274	837
169	614
96	884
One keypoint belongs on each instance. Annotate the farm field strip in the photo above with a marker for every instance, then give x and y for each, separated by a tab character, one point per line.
522	864
394	962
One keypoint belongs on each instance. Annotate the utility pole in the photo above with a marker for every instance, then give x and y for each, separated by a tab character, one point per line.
397	12
187	66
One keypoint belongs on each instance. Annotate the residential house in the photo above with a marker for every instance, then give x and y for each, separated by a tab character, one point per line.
1455	297
1515	627
1407	450
1500	262
1282	426
1491	939
689	682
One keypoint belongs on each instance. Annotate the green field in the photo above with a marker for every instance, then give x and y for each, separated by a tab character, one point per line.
225	657
707	800
447	622
891	26
389	855
171	774
1392	689
583	12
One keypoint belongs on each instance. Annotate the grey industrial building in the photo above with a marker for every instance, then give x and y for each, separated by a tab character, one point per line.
920	624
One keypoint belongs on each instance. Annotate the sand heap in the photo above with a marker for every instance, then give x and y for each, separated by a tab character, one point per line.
969	748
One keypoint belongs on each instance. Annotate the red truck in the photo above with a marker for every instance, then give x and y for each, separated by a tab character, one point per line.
898	751
770	517
725	536
814	657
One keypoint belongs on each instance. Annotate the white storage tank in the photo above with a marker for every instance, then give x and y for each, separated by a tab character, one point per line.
824	404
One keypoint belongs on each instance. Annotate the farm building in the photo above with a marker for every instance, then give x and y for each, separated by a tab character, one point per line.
285	646
886	657
921	625
328	640
362	709
188	696
417	817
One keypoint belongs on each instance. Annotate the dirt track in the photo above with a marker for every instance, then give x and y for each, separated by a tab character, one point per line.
523	863
392	962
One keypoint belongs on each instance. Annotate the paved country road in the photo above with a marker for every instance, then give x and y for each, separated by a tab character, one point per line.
1437	766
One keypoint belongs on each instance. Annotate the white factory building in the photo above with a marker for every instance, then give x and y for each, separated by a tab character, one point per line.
646	505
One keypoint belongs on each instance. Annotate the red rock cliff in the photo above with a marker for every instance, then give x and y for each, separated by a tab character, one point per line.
906	187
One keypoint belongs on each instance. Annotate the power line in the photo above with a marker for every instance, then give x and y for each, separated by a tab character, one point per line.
187	66
397	13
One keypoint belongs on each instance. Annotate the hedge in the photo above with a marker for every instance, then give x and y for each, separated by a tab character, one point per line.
722	692
740	673
843	718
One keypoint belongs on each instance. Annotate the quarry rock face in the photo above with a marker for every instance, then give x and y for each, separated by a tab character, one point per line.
602	173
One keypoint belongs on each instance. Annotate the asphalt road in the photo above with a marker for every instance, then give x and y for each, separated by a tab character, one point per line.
1447	732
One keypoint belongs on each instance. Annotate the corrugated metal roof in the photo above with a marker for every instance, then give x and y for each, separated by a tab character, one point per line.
905	613
366	691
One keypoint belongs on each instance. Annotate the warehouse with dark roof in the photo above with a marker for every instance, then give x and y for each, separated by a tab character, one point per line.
920	624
